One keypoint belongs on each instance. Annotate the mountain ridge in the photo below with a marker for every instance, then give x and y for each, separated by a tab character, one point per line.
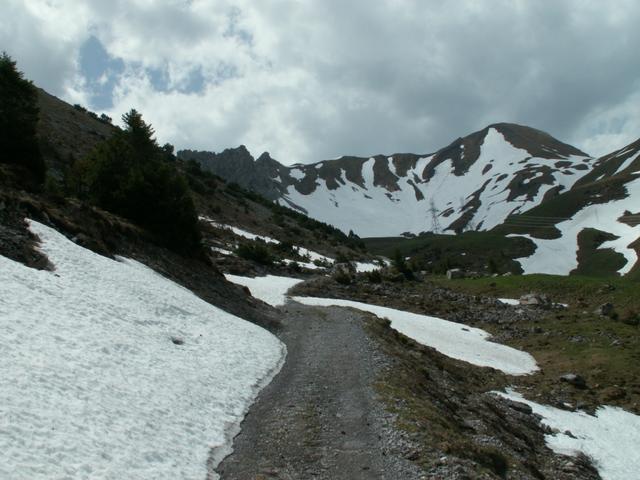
405	178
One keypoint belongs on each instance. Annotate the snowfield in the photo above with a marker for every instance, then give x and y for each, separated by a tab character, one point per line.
270	289
611	437
559	256
94	382
454	340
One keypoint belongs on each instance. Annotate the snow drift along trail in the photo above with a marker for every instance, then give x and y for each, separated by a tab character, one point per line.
108	370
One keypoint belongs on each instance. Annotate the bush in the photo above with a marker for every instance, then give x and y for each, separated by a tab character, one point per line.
374	276
256	252
342	277
129	175
18	120
401	266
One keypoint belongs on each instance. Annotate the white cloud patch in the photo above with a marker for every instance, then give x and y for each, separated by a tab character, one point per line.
314	80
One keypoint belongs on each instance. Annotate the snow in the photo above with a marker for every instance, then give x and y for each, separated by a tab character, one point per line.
509	301
362	267
252	236
223	251
91	383
313	255
455	340
610	438
626	164
297	173
248	235
270	289
352	207
559	256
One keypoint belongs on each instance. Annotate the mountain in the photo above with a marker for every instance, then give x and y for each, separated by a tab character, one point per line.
593	228
237	165
474	183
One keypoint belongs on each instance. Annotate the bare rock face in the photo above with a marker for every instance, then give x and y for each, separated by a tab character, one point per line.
237	165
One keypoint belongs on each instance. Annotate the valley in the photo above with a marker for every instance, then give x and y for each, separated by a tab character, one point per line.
468	313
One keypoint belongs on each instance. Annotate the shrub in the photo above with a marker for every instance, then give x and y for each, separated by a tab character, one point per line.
256	252
374	276
342	277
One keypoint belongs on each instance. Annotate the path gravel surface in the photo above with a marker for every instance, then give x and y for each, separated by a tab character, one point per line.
320	418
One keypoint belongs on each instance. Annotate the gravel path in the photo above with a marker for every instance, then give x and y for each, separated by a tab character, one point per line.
320	418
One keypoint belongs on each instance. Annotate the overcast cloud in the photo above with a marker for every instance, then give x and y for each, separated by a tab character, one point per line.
311	80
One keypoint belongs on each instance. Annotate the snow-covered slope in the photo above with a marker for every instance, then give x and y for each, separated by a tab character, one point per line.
610	437
108	370
474	183
605	202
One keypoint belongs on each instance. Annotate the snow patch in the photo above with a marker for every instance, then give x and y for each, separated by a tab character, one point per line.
109	370
270	289
455	340
559	256
611	437
297	173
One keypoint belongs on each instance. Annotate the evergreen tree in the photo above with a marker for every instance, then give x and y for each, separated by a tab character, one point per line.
18	120
130	175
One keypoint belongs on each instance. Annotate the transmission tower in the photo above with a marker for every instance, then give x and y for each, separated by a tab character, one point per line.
435	223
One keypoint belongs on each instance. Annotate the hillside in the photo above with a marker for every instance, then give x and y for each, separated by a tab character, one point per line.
592	228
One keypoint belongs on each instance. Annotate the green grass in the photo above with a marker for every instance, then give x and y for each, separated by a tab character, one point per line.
605	350
574	289
469	250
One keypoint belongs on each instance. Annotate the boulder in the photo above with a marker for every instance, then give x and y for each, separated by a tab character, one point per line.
604	310
574	379
455	273
535	300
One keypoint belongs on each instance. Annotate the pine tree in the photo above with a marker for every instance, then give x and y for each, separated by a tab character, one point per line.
18	121
130	175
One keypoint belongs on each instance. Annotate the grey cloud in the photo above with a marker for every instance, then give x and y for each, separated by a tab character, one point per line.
313	80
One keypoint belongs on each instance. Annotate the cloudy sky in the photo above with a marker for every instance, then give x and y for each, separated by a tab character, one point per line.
312	80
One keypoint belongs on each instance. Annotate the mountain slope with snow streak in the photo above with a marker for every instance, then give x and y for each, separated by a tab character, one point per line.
473	184
606	203
111	371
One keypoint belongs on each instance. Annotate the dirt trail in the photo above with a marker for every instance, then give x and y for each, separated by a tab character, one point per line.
320	418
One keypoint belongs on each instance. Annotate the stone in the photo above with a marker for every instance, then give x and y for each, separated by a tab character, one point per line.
535	300
604	310
455	273
574	379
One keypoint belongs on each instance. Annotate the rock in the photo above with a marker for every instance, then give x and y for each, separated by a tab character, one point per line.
604	310
519	406
535	300
574	379
455	273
